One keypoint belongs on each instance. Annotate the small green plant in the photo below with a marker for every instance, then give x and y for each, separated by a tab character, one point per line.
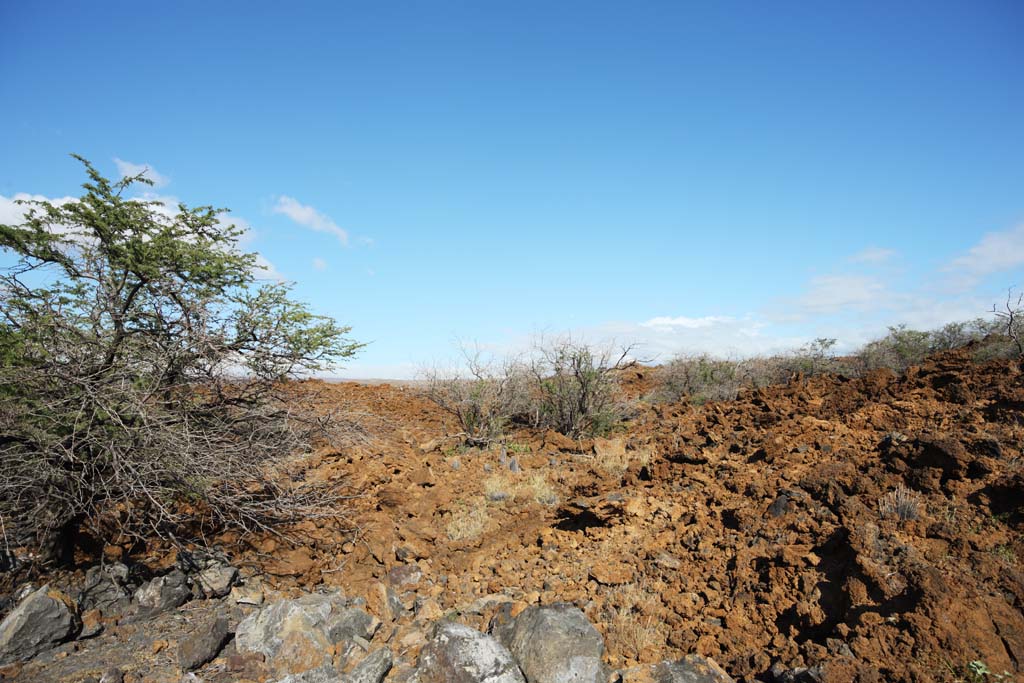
978	672
1005	552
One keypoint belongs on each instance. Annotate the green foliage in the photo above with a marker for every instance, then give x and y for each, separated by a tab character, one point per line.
142	362
575	390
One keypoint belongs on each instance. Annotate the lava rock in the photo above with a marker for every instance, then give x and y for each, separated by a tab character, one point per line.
373	668
459	654
300	635
106	589
41	620
216	581
321	674
204	644
554	643
163	593
690	669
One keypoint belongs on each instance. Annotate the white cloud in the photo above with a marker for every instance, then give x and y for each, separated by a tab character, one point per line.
873	255
666	322
837	293
309	217
12	213
127	169
996	252
319	264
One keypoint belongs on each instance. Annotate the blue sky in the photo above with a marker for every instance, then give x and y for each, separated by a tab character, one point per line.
728	176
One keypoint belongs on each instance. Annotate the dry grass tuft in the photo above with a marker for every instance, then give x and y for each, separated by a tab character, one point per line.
537	487
902	504
616	462
468	522
634	627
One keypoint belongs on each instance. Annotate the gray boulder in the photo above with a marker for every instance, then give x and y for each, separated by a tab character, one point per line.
373	668
300	635
204	644
554	644
106	589
460	654
41	620
321	674
690	669
216	581
163	593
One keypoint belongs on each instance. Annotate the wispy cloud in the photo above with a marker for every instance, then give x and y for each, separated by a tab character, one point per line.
12	213
995	252
128	169
669	323
873	255
319	264
309	217
827	294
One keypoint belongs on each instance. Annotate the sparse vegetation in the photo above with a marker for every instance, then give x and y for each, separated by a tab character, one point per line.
701	378
467	522
617	461
483	401
632	626
141	375
575	387
1010	320
567	386
901	503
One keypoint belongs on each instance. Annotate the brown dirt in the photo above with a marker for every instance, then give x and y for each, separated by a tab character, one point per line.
748	531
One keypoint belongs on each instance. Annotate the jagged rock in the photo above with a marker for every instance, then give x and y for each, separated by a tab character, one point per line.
216	581
373	668
690	669
351	623
299	635
405	575
800	674
460	654
553	644
112	675
163	593
91	624
41	620
106	589
204	644
248	594
321	674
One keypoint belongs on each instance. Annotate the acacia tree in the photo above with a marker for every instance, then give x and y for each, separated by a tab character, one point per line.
142	368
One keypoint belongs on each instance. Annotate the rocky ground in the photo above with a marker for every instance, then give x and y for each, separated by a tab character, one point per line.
829	530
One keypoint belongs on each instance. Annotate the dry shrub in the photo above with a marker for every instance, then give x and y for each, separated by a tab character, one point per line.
482	398
574	387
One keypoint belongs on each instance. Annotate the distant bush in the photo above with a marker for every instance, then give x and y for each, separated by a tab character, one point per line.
483	398
702	377
575	388
699	379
